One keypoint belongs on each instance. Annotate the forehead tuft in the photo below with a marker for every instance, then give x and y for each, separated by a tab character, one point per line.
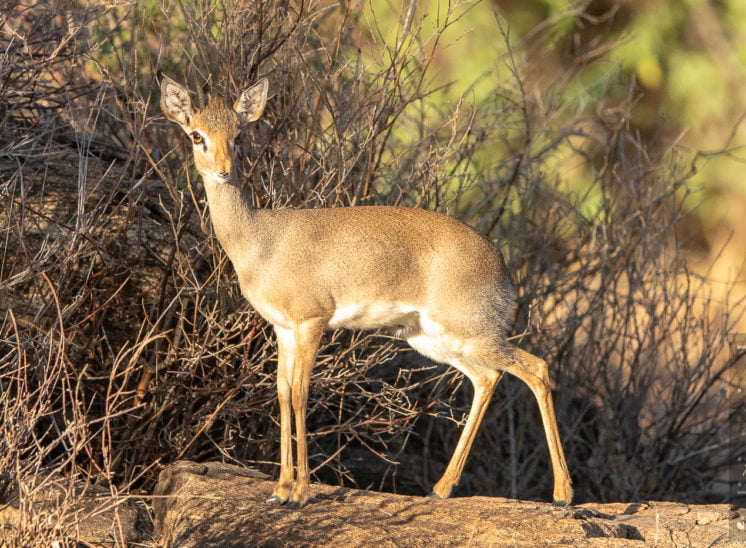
217	117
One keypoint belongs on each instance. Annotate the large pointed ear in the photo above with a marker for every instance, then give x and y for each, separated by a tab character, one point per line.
176	103
250	104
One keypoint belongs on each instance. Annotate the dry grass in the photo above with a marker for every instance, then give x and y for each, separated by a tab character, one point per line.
125	345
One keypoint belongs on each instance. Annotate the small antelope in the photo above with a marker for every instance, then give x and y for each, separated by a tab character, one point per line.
438	282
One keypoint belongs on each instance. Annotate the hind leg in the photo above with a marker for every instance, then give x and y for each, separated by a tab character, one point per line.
484	381
534	372
483	358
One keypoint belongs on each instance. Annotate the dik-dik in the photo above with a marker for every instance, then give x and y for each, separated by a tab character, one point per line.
441	285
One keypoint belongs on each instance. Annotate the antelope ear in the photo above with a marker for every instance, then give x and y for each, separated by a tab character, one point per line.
175	103
252	101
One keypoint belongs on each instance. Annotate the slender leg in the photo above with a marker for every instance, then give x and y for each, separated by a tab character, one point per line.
484	381
534	372
285	360
307	338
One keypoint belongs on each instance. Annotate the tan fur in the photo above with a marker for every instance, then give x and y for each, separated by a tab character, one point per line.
429	277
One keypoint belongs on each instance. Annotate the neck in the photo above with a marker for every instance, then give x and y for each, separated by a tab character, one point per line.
232	217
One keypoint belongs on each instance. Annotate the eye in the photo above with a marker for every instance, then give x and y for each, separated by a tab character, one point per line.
197	137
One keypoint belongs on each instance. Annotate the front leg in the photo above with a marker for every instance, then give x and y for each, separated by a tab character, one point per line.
285	360
307	337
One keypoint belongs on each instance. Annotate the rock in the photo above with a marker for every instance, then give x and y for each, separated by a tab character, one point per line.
210	505
215	505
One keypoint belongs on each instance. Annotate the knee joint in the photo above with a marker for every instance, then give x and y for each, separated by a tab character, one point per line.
299	399
283	391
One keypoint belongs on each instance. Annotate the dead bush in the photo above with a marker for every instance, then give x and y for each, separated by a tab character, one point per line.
124	342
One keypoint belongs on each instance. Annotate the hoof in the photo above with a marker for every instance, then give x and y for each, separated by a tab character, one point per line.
274	499
433	496
560	504
294	505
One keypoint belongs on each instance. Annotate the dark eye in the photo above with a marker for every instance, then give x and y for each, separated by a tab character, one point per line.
197	137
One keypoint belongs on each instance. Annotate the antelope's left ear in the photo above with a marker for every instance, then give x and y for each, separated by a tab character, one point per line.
252	101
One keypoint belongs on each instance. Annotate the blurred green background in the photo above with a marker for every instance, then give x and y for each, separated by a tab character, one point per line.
681	62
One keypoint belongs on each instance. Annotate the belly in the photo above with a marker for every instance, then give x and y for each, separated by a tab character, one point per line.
376	315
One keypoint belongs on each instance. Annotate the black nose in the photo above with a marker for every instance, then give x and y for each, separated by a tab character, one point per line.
225	174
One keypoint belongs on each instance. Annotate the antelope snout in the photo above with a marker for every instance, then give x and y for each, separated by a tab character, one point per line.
223	163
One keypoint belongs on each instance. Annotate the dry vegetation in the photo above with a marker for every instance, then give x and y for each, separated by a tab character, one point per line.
124	342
